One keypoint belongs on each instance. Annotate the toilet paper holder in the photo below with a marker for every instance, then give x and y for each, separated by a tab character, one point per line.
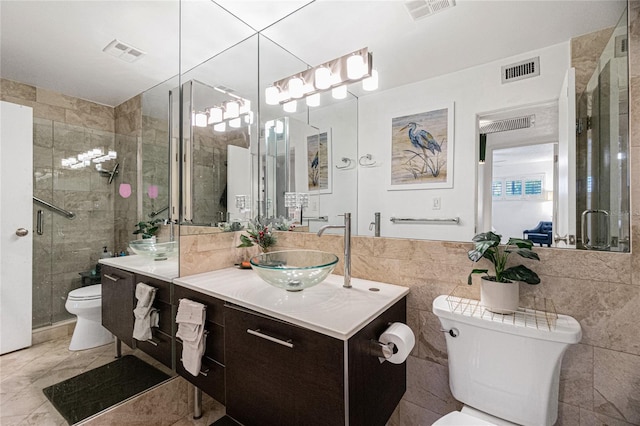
381	350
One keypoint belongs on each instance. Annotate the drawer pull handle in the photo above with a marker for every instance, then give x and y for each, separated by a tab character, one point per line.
257	332
152	342
111	278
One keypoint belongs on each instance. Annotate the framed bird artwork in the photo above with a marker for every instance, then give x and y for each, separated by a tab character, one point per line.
318	162
422	150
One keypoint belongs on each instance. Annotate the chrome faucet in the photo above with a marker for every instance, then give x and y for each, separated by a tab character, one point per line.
347	246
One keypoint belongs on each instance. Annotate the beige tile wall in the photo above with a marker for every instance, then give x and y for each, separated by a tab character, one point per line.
600	377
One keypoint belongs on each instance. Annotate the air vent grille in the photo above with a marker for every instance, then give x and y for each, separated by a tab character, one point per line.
621	46
123	51
521	70
495	126
419	9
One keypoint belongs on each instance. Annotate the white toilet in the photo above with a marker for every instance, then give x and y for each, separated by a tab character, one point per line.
505	372
86	304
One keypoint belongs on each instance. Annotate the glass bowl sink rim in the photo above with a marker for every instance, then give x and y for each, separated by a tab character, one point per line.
155	249
280	267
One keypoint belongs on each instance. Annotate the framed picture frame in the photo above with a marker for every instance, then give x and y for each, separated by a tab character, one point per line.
319	162
422	145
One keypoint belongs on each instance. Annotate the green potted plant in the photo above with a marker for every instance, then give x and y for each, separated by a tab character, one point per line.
147	230
500	292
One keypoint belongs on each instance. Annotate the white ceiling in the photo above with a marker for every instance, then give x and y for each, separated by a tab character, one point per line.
58	44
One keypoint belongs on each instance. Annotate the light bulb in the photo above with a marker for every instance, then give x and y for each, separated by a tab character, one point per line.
245	107
220	127
371	83
235	123
290	106
200	119
295	86
355	67
113	154
313	100
231	109
215	115
322	78
272	95
339	92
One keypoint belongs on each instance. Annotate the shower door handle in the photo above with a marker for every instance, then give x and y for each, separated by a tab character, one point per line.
21	232
586	241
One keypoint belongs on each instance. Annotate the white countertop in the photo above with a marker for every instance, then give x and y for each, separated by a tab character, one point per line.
327	308
161	269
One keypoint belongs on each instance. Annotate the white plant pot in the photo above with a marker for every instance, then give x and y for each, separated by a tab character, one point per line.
501	298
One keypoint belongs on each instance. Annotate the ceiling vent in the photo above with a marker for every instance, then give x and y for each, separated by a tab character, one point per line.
521	70
419	9
123	51
495	126
621	46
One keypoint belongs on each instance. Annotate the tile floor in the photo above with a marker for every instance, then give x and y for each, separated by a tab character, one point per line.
24	373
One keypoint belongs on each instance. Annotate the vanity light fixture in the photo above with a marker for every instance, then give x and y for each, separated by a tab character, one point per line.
335	74
290	106
200	119
235	123
231	109
371	83
220	127
84	159
313	100
339	92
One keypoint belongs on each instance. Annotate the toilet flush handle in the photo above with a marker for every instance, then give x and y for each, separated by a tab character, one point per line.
453	332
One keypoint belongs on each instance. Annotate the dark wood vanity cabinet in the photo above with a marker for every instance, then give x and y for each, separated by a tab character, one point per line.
118	303
118	296
211	378
159	347
281	374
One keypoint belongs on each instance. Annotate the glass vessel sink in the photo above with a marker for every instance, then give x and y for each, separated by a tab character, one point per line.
294	270
154	249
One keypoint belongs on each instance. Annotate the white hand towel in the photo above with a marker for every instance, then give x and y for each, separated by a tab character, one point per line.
142	312
190	318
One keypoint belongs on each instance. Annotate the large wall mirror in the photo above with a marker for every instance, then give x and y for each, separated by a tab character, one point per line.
362	136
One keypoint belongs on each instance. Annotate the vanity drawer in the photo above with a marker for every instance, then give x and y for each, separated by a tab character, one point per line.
118	301
215	307
159	347
211	379
214	349
163	292
165	318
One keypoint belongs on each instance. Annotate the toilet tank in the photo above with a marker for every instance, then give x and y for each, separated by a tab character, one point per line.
503	366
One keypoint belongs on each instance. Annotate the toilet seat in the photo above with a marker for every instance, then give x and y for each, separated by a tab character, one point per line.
92	292
457	418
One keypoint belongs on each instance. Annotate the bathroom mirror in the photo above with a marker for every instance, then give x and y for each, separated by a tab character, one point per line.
536	172
444	213
219	110
295	139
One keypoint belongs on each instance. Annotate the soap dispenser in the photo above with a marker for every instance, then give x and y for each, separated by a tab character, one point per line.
105	254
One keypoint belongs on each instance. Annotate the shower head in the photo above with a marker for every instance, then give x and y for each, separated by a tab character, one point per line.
110	174
113	173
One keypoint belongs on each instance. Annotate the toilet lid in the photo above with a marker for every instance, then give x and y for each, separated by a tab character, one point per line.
91	292
457	418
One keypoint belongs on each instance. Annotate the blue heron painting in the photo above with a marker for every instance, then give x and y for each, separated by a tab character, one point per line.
318	154
420	148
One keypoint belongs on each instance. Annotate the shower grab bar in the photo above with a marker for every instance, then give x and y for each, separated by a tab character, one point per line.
39	223
452	220
157	212
69	215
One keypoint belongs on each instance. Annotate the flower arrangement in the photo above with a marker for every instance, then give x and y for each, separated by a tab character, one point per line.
259	233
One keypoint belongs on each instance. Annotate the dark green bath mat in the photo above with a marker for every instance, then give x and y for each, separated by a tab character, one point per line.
93	391
225	421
